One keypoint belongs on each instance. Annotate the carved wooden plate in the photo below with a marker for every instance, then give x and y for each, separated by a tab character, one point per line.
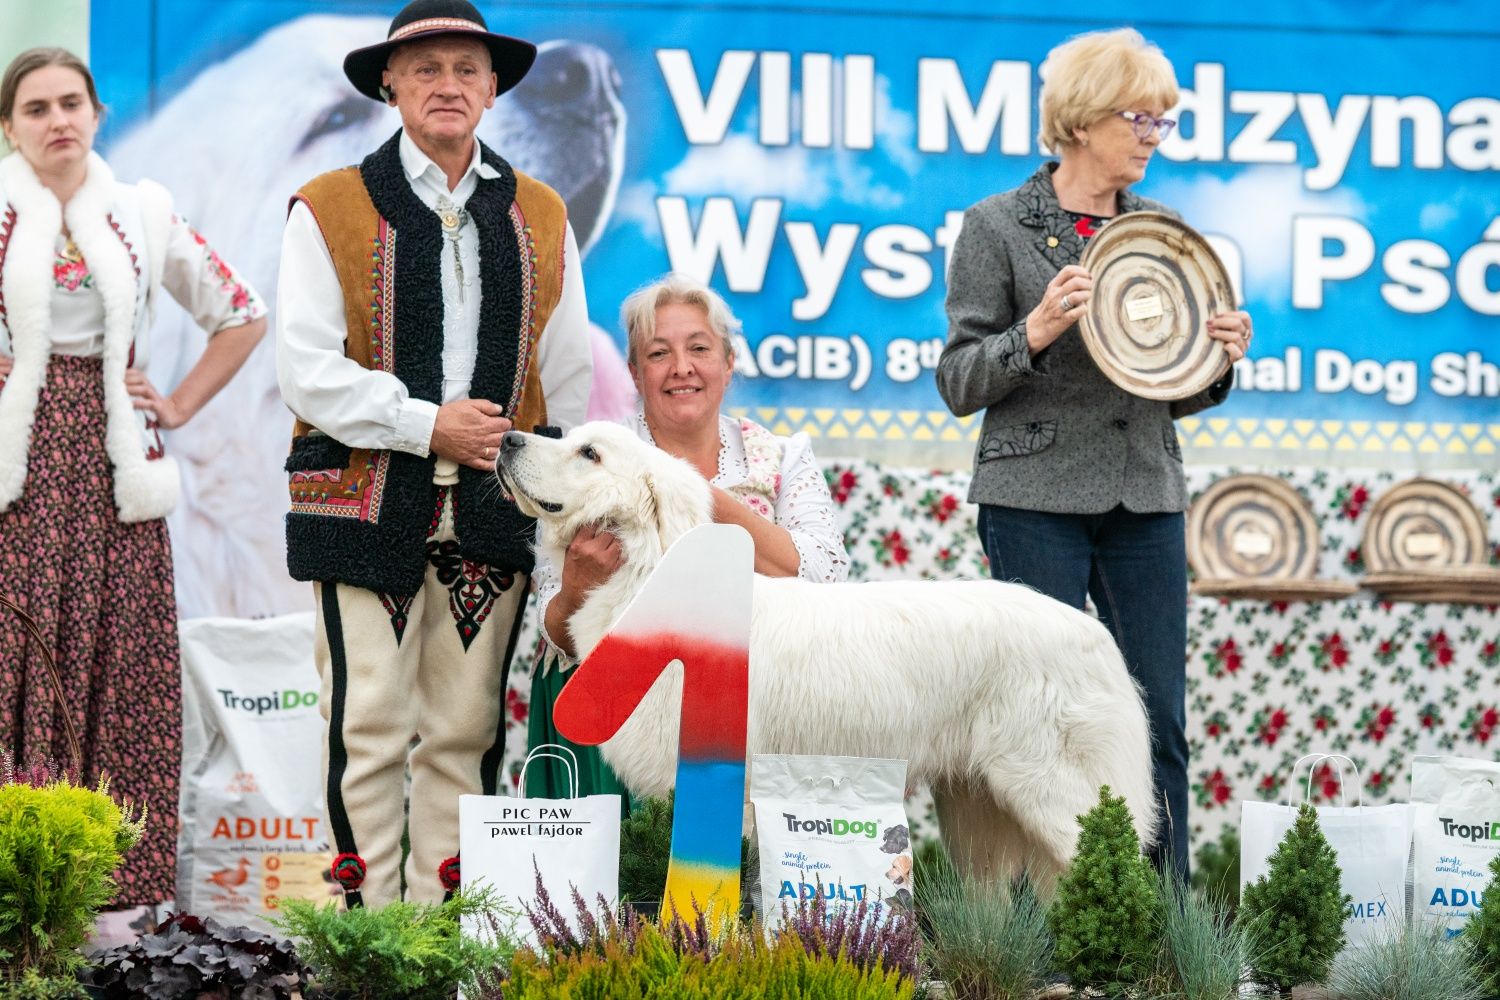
1156	283
1252	527
1423	524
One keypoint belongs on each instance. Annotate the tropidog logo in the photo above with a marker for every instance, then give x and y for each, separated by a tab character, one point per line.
274	701
833	827
1472	832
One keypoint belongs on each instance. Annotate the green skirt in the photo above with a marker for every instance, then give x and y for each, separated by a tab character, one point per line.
547	778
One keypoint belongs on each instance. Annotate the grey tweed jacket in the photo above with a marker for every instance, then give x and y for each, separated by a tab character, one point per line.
1058	436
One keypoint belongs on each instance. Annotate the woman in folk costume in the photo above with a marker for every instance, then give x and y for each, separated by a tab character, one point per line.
84	482
679	336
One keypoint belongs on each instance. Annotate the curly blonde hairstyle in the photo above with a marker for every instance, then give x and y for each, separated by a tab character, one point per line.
1097	74
638	314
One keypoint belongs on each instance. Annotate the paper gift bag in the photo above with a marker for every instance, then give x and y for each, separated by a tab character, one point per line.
505	842
1372	844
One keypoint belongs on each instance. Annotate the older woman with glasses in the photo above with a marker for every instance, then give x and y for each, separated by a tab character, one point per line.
1079	483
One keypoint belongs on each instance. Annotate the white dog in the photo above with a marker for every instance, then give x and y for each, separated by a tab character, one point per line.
1016	707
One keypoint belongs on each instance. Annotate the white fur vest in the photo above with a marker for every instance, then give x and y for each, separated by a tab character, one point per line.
121	231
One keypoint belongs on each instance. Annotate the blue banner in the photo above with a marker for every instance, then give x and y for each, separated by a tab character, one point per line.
813	164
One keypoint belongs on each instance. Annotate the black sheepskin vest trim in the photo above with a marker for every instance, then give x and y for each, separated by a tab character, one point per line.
388	554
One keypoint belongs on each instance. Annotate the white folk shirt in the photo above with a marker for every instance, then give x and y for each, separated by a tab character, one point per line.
372	409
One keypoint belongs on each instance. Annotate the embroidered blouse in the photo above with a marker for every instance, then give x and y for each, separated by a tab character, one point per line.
778	478
197	277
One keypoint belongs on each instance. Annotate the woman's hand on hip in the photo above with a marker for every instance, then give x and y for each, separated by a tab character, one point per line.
143	396
6	364
1233	330
1063	304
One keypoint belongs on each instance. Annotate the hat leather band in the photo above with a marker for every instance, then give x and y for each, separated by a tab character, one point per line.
436	24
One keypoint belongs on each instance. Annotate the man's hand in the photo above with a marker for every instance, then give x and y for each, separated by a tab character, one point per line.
467	431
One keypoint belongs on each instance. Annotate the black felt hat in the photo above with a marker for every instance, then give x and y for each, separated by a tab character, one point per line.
511	57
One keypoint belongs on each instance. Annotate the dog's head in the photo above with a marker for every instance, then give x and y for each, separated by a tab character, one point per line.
603	474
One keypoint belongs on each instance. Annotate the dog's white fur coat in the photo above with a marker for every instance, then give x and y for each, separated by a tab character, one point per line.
1014	705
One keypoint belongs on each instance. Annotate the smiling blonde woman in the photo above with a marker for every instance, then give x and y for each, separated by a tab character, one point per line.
680	346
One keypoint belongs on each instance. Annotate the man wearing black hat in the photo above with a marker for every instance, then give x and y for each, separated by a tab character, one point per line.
429	301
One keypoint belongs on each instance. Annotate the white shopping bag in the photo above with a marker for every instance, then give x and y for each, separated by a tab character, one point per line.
1372	844
574	843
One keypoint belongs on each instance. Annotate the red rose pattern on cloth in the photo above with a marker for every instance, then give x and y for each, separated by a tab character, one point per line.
101	592
1267	683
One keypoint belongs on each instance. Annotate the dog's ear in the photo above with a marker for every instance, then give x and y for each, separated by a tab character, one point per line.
679	498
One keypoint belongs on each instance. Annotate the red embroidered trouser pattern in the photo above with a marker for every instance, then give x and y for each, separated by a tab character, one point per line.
431	667
102	593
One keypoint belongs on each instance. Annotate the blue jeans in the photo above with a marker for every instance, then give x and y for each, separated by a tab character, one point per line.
1134	566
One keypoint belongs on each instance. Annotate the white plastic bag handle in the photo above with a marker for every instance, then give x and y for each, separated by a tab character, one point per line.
1343	794
542	752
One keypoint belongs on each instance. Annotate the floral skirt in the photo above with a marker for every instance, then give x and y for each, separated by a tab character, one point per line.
101	591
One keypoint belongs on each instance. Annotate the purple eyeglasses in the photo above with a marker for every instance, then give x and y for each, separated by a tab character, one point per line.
1143	124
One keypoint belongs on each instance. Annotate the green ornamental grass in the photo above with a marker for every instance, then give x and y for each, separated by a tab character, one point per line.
1204	952
1298	908
984	940
1407	963
1105	917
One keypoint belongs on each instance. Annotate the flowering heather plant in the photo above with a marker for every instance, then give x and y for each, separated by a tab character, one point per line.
869	935
868	938
38	772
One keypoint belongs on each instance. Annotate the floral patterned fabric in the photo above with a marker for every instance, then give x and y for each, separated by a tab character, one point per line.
1267	683
101	593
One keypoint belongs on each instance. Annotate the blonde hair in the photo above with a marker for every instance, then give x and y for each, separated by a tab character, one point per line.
1096	74
638	314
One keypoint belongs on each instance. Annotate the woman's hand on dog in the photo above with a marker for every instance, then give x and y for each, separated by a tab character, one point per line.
592	558
468	431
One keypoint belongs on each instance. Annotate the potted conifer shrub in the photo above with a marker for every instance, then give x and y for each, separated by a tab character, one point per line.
1297	909
1105	917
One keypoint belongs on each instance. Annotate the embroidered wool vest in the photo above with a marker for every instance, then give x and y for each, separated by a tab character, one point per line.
361	516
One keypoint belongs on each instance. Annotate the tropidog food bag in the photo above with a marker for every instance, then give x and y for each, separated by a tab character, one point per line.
1456	802
830	826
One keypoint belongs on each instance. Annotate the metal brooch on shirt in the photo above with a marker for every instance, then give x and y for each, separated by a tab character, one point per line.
452	217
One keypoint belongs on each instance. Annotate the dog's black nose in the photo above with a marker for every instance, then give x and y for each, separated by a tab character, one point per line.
512	441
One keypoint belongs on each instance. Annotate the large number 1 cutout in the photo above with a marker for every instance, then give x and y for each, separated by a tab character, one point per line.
695	607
